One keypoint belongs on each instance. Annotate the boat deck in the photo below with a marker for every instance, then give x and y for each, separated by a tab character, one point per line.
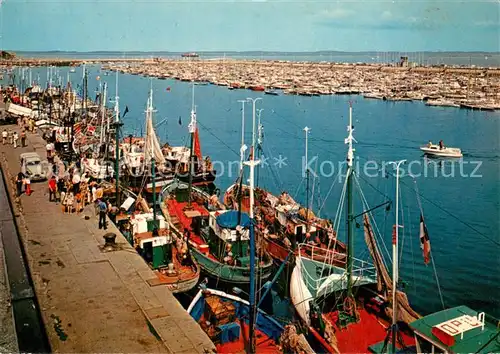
369	330
184	218
263	343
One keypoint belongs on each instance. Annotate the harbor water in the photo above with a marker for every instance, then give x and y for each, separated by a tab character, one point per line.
460	199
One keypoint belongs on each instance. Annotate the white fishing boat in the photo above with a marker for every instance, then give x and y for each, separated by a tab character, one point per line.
437	151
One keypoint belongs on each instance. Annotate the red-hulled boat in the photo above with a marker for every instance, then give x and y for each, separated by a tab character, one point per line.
259	88
282	223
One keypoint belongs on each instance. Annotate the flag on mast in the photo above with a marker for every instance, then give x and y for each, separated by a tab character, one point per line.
125	112
425	243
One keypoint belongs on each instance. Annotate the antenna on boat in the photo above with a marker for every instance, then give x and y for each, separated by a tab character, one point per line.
307	130
243	147
395	275
192	131
260	135
253	100
350	203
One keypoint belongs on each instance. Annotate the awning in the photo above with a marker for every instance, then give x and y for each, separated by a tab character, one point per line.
229	219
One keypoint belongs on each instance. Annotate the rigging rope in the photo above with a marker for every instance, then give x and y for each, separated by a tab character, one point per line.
454	217
374	223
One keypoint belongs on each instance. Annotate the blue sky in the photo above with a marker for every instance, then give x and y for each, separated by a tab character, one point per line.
273	25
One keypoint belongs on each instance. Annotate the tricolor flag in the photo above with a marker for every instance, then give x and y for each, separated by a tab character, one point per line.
425	243
125	112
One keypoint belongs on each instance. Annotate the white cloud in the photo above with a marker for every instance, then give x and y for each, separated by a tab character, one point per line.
336	13
386	15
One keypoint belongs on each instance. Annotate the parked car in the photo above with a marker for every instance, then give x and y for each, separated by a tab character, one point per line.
33	166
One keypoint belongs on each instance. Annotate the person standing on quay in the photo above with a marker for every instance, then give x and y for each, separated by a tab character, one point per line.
5	135
103	208
52	188
23	138
15	137
19	183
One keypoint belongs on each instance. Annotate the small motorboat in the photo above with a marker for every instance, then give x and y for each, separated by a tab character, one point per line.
437	151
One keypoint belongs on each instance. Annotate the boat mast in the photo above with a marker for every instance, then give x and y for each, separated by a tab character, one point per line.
260	131
252	163
350	212
395	275
242	158
103	108
192	130
117	125
153	176
306	130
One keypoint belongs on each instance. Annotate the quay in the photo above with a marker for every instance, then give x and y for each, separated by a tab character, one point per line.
91	298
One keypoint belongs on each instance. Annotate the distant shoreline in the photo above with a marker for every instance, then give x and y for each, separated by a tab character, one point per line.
478	59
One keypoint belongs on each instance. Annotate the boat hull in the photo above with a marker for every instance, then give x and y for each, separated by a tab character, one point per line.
184	285
447	152
227	273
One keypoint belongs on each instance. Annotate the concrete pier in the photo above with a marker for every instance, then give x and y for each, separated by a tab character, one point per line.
93	300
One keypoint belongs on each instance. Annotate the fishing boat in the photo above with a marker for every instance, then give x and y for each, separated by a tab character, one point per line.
172	162
271	92
219	238
354	308
283	223
224	317
234	324
437	151
164	252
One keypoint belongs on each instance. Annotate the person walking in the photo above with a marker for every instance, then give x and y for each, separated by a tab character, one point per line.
19	183
103	208
76	183
15	137
5	135
52	188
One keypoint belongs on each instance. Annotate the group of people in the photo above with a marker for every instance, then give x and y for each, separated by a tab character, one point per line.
11	137
23	180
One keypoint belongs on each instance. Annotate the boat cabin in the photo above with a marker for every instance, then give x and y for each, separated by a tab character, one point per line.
229	236
457	330
154	246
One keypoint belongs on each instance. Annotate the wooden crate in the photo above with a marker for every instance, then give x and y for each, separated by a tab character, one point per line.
219	312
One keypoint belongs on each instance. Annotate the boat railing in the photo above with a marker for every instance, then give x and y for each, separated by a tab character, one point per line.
361	268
